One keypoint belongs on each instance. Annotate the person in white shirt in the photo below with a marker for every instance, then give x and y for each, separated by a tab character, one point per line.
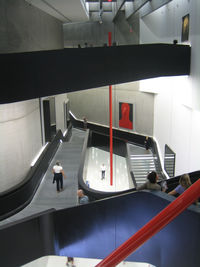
103	171
58	176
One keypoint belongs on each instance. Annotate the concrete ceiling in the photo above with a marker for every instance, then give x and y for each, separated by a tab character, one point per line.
64	10
71	11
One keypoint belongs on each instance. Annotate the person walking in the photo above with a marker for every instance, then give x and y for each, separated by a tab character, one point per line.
103	171
58	176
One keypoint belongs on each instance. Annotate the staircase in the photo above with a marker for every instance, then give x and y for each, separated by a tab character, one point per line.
141	163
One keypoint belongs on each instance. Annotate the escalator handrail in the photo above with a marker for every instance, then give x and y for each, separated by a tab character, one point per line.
153	226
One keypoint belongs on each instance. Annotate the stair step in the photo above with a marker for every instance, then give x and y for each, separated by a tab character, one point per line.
141	165
142	170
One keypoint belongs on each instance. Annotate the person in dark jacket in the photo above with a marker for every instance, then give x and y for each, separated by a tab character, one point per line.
151	184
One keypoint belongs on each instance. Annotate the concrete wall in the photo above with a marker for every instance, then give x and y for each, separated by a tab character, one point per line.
26	28
96	34
92	33
177	102
94	104
20	133
22	28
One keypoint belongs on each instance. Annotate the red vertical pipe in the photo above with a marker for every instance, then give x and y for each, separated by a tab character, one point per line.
110	112
111	136
153	226
109	39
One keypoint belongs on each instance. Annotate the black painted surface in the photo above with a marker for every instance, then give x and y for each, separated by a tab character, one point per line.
169	161
173	182
103	142
154	150
27	240
47	121
44	73
16	198
133	138
94	230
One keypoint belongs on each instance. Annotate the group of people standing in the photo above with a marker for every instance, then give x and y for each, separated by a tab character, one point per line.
151	184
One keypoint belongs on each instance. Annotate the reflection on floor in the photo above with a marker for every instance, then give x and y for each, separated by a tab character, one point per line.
92	172
52	261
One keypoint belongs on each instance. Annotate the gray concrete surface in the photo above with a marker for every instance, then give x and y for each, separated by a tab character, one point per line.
46	197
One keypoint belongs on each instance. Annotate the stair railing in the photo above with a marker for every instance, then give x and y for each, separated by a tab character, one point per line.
153	226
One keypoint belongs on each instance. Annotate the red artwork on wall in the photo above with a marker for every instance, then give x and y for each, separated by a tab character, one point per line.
126	115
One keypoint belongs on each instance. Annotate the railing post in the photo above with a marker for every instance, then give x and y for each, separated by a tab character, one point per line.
110	115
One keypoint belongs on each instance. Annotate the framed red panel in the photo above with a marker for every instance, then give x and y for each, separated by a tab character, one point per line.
126	115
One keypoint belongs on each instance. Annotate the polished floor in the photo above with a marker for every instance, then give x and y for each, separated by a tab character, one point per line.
54	261
93	176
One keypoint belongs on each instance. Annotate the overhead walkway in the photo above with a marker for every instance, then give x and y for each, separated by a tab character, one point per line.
69	154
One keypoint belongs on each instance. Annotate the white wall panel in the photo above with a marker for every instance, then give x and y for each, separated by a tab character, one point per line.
94	104
59	102
177	103
194	155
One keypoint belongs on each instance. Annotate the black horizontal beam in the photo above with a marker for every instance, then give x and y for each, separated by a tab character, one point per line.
36	74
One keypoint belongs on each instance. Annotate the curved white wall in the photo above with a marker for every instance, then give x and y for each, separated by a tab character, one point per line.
20	132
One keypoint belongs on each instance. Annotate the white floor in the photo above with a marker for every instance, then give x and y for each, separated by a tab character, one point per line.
54	261
92	171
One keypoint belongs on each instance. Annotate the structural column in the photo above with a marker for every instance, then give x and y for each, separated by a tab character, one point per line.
110	112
